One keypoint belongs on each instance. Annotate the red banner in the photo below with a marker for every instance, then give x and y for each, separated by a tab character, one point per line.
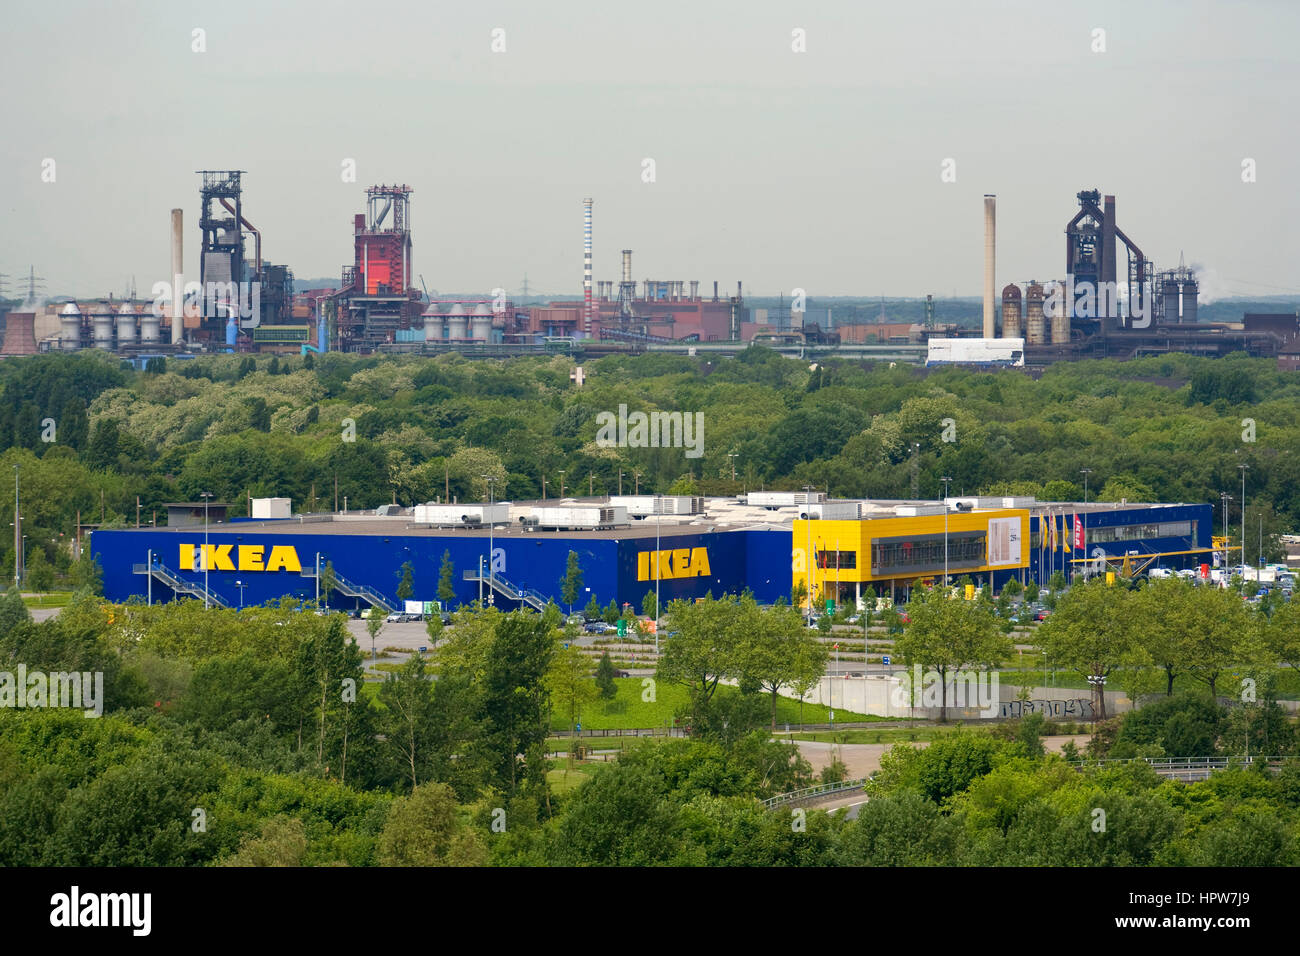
1078	532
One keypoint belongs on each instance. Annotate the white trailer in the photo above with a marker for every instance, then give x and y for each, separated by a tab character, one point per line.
949	351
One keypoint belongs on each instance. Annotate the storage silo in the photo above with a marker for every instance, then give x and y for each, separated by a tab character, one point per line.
481	323
149	328
1011	312
125	325
1061	321
1034	331
434	327
70	327
1190	289
456	322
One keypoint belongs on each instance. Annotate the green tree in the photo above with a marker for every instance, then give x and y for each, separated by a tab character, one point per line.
434	628
39	574
612	612
407	722
571	583
86	573
424	829
593	610
12	612
950	634
516	702
1093	632
282	842
374	624
406	586
569	682
650	606
446	581
329	582
605	677
1031	591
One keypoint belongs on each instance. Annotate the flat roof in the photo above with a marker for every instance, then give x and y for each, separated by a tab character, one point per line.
720	514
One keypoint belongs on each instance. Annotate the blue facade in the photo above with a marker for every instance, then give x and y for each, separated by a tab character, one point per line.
612	568
1153	531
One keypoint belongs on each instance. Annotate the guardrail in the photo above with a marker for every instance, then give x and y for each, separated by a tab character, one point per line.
1172	766
813	793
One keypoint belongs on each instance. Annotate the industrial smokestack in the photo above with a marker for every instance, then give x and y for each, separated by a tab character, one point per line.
990	242
178	283
695	288
586	267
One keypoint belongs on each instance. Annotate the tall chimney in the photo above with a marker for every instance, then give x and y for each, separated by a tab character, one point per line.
586	267
990	241
178	281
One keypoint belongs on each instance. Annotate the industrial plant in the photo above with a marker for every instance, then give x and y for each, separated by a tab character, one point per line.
1096	308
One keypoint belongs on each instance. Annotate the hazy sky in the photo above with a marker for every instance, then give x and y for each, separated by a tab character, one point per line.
818	170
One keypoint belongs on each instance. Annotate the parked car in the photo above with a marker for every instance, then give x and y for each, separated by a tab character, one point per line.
395	618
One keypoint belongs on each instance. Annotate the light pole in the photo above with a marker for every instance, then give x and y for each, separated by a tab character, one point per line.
491	483
808	559
1226	498
18	528
637	477
206	495
658	510
22	556
1085	472
620	482
1243	469
946	481
561	486
732	455
241	585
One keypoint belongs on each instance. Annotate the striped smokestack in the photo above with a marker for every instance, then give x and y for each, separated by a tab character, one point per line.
178	287
586	267
990	241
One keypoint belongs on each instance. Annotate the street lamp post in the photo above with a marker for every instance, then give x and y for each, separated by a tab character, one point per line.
808	558
1226	498
241	585
637	477
22	556
206	495
658	510
946	481
18	528
491	483
1085	472
732	456
561	486
1243	469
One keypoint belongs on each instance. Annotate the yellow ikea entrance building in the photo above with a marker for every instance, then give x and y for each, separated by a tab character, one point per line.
836	559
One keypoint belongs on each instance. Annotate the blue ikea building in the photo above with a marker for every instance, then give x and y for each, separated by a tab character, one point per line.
250	562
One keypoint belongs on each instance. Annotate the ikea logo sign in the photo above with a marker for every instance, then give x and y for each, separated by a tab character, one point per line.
678	563
244	557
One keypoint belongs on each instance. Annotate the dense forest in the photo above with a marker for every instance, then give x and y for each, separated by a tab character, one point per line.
90	437
249	739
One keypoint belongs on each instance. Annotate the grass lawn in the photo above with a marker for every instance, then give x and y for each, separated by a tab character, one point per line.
628	711
887	735
563	780
54	599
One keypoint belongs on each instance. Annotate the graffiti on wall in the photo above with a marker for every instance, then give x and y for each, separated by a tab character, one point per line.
1078	708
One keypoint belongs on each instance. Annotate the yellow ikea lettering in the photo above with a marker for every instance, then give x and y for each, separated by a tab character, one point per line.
283	558
678	563
249	557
